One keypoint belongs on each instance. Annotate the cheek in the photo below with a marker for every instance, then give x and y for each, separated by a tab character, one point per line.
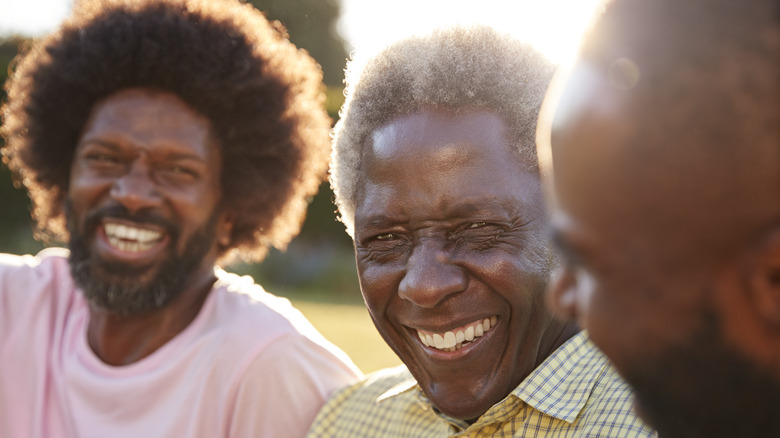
523	279
378	284
83	195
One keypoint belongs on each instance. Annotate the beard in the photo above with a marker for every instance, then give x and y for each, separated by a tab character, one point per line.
119	288
706	388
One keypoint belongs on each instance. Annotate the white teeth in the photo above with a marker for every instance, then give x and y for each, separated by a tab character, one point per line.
449	340
454	339
130	239
126	232
469	333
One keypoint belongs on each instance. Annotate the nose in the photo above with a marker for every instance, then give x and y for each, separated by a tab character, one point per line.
431	275
136	189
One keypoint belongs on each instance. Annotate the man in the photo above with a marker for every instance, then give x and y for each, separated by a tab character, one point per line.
160	138
435	179
666	159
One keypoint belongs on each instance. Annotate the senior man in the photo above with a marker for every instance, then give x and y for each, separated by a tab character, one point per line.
435	178
159	138
666	203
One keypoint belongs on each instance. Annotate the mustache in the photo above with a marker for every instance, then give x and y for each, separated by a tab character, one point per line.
94	218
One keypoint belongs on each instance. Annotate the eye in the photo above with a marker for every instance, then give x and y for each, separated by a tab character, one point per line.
383	247
98	157
180	173
104	162
183	170
478	235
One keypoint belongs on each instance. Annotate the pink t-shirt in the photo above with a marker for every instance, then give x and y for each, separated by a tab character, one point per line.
249	365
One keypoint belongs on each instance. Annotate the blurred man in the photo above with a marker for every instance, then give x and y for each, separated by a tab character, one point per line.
159	138
435	178
666	157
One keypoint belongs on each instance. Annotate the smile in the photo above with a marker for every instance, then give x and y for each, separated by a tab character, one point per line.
129	238
455	339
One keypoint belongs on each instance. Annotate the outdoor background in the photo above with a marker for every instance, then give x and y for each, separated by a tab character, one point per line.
317	272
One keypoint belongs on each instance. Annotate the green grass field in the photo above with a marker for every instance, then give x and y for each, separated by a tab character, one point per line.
350	327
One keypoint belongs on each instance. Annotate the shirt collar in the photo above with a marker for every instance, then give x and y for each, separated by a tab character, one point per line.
405	386
562	384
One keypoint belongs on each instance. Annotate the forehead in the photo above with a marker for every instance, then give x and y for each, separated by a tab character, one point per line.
439	161
152	120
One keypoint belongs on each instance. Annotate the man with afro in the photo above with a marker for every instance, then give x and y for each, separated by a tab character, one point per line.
160	139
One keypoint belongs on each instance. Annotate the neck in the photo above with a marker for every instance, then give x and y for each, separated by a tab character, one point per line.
557	338
124	339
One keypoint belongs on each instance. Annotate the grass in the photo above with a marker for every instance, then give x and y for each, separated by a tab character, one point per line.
350	328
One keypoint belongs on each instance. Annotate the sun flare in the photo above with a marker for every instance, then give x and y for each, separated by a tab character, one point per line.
553	26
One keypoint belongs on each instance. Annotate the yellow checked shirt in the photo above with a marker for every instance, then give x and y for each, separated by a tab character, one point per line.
574	393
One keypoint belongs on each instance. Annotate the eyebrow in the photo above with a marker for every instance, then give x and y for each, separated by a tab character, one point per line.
174	156
97	141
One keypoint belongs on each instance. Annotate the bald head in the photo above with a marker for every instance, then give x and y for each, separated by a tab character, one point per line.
674	117
661	151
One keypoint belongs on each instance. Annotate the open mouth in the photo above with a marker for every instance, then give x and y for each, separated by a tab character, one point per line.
456	339
129	238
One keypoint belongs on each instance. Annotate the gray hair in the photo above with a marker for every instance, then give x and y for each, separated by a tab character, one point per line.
455	69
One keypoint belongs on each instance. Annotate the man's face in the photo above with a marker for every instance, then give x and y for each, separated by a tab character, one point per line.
142	203
633	274
453	256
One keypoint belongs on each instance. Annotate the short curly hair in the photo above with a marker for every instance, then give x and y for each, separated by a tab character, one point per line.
263	97
457	68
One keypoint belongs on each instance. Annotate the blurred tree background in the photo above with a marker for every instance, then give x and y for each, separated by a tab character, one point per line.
320	260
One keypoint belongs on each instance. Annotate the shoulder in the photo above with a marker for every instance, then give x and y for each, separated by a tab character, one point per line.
30	279
248	307
380	385
270	333
371	405
48	262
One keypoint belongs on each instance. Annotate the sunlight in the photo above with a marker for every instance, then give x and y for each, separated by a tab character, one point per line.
553	26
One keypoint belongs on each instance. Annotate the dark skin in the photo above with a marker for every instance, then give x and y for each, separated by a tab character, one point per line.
122	339
448	232
148	152
665	202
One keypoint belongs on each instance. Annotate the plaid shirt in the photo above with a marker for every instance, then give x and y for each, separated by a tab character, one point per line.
574	393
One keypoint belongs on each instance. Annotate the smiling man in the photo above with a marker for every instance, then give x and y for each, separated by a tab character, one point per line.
435	179
159	139
664	171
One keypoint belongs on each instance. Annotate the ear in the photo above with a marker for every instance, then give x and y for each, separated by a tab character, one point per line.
224	230
765	277
561	296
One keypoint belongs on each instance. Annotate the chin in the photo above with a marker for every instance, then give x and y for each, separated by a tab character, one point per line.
461	404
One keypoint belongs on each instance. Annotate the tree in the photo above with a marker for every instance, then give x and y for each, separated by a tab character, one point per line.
312	26
15	222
